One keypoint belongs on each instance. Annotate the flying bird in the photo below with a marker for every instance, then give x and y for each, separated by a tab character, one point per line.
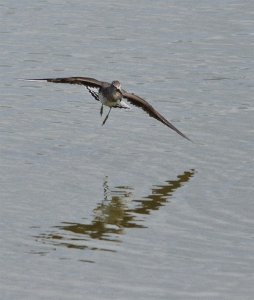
112	95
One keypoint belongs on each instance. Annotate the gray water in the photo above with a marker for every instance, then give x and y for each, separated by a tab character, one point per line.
130	210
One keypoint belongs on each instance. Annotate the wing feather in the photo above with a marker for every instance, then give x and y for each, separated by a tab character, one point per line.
87	81
148	108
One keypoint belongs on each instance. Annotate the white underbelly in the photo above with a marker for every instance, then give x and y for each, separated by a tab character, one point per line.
118	103
107	102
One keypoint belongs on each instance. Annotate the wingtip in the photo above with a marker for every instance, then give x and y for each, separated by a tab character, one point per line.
184	136
188	139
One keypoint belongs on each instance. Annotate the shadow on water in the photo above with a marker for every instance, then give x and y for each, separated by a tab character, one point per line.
113	215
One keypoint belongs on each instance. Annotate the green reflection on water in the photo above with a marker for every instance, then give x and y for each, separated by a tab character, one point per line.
113	215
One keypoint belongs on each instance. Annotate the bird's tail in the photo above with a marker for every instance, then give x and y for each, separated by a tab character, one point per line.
122	104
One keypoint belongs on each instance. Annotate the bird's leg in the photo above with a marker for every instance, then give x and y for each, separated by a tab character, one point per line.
106	117
101	111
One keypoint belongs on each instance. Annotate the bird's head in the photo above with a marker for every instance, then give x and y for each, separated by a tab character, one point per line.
117	85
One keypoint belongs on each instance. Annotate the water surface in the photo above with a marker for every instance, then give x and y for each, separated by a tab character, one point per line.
130	210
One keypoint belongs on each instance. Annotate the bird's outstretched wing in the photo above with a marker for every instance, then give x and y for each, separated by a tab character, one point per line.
86	81
139	102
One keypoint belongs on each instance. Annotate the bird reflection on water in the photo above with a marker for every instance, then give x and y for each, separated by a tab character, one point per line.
113	215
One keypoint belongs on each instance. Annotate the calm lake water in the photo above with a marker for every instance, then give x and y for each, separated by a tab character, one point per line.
130	210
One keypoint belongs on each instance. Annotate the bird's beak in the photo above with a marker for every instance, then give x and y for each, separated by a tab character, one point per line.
120	91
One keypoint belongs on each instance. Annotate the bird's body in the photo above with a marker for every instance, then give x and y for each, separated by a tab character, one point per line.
112	95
